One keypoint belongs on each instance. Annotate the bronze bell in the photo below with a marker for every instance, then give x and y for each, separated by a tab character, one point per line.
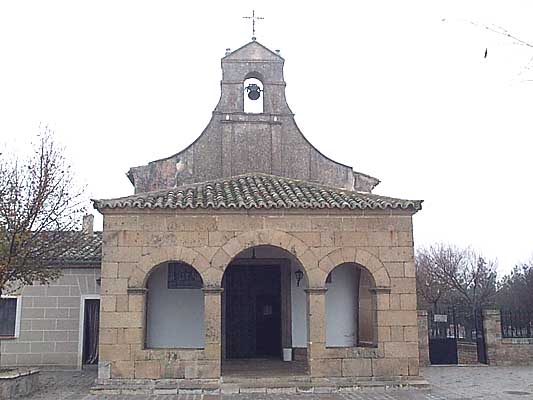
254	91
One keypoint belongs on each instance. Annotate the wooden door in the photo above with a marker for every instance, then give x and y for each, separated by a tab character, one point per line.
240	332
252	310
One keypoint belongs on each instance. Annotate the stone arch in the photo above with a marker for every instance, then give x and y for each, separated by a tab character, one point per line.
255	75
364	258
157	256
263	237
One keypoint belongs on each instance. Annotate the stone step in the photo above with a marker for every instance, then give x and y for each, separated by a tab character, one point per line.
261	385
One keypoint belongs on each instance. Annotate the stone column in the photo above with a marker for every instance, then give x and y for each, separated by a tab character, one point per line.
492	325
316	334
135	337
380	306
423	337
212	324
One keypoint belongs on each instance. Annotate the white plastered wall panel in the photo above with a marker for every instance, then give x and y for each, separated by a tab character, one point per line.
175	317
341	306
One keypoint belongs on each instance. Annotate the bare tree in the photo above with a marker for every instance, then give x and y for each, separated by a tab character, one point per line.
516	288
40	210
431	289
459	274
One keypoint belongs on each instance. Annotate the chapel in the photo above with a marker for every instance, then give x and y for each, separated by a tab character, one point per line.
251	248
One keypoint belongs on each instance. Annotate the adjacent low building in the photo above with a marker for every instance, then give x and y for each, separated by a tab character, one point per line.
56	325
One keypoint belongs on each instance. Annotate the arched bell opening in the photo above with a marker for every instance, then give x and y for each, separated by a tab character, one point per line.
174	307
264	308
253	96
350	307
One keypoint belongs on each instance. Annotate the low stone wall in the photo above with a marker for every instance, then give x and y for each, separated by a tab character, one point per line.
365	362
163	364
18	383
505	351
467	353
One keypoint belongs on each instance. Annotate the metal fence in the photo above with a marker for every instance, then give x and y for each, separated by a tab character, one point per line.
517	323
461	323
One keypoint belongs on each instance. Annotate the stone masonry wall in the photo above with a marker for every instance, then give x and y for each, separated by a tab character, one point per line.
505	351
380	241
423	338
49	326
467	353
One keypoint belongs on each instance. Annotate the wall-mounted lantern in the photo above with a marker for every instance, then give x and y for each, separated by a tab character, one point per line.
299	275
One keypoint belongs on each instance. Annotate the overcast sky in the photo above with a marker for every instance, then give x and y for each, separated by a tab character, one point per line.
400	90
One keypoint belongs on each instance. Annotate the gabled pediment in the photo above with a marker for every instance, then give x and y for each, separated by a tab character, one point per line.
253	51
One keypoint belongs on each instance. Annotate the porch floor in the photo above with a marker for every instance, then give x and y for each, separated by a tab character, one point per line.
262	368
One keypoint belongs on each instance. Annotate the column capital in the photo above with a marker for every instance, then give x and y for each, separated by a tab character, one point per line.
212	290
380	289
137	291
316	290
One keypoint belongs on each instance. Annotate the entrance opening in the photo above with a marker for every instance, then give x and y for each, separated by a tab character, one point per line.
91	323
253	311
264	314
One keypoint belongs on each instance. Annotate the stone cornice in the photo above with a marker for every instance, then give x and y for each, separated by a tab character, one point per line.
380	289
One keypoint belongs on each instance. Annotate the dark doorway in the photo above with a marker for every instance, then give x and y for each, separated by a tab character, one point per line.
91	324
252	311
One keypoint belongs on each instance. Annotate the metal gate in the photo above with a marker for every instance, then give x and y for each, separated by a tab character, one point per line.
456	336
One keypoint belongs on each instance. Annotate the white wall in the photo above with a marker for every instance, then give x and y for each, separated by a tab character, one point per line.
298	309
340	307
175	317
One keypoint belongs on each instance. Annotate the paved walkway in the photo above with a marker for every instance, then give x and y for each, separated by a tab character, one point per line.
448	383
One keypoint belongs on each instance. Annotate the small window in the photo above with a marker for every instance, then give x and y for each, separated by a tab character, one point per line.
183	276
8	317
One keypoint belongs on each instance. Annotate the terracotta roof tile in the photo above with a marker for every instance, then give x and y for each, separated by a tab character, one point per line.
88	250
258	191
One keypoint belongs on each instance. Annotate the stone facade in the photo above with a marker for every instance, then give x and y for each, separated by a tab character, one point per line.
249	180
137	241
50	320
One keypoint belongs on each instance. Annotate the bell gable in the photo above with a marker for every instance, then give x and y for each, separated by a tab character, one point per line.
237	141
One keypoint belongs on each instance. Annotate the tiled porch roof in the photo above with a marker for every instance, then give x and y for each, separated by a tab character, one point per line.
86	250
259	191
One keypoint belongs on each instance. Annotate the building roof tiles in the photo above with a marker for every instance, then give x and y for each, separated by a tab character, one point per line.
257	191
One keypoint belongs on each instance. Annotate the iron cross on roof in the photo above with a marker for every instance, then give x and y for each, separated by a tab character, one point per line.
253	18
